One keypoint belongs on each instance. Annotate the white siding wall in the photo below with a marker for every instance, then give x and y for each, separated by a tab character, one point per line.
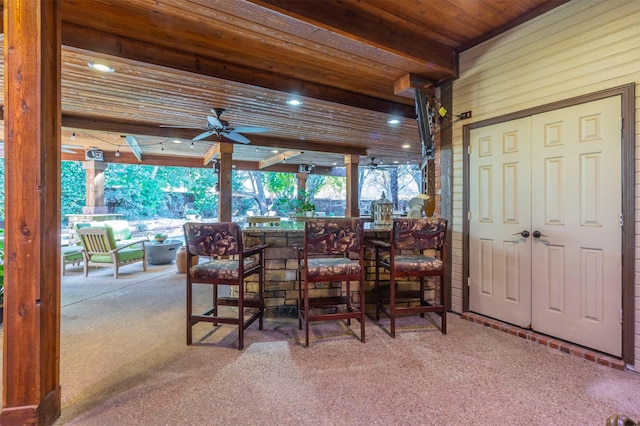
581	47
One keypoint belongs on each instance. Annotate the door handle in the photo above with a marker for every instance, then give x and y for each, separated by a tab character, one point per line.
538	234
525	234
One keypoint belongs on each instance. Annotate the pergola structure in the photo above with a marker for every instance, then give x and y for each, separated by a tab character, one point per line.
354	65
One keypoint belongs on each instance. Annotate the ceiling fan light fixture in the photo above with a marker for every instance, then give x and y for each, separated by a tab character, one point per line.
100	67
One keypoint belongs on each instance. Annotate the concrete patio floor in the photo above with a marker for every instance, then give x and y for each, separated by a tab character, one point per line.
124	361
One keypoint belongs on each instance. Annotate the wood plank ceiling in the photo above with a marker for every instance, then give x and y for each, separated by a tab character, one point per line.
175	60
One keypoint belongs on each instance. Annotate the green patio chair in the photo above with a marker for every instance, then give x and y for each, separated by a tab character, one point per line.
100	249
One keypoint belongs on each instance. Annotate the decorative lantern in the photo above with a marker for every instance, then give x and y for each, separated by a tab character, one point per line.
382	211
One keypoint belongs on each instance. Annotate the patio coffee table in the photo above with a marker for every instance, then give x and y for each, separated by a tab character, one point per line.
161	253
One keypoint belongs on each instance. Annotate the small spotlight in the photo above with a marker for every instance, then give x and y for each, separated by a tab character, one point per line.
100	67
406	145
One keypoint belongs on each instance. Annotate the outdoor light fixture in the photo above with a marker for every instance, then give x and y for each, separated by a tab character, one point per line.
100	67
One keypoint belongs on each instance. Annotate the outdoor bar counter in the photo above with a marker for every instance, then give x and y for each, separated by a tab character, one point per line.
281	285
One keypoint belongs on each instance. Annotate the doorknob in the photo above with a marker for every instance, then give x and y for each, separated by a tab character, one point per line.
538	234
525	234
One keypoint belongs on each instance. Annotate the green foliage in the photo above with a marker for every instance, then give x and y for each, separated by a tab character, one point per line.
282	185
73	188
1	265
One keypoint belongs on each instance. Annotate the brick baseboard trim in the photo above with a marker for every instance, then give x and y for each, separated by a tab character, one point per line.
550	342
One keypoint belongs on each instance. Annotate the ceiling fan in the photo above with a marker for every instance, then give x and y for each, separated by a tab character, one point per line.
219	127
373	165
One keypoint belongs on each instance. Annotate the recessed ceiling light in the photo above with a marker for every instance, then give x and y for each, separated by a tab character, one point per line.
406	145
396	162
294	102
100	67
393	121
177	141
275	151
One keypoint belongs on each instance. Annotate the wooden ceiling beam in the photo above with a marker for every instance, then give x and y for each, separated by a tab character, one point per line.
337	17
148	129
275	159
110	44
196	163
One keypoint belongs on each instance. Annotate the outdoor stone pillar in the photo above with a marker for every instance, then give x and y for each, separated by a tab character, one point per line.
351	162
95	187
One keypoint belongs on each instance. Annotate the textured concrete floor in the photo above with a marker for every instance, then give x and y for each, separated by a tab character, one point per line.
124	362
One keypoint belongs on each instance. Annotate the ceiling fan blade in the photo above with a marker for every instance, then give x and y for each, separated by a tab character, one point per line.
203	135
248	129
237	137
183	127
214	121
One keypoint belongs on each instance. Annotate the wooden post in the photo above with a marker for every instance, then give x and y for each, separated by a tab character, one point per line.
224	182
351	162
95	187
31	346
302	181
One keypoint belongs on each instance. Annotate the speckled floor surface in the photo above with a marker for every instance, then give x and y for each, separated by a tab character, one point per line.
124	362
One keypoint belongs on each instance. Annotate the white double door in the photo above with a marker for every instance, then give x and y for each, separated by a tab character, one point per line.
544	223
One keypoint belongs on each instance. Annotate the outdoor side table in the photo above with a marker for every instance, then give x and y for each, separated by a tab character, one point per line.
161	253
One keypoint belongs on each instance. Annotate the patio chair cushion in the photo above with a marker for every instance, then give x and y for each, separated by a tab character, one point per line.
220	269
414	263
333	266
124	255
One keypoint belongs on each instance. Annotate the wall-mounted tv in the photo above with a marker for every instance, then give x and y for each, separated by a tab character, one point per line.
425	115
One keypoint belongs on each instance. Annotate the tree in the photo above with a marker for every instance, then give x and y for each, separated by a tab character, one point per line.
73	185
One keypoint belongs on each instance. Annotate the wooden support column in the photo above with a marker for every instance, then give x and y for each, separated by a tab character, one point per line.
351	162
31	346
95	187
302	181
224	182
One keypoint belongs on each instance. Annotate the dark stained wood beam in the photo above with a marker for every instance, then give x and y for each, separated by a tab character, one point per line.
31	392
337	17
193	162
147	129
110	44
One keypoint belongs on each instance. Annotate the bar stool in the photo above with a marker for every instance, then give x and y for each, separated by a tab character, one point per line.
405	256
230	265
325	257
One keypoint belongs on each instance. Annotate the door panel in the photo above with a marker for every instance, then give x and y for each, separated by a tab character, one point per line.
500	257
577	295
556	175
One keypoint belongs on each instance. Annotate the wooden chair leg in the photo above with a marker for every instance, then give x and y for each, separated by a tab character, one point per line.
189	310
392	304
362	311
241	316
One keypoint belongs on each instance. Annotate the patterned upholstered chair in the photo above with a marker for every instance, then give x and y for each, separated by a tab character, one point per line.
230	265
333	251
416	250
